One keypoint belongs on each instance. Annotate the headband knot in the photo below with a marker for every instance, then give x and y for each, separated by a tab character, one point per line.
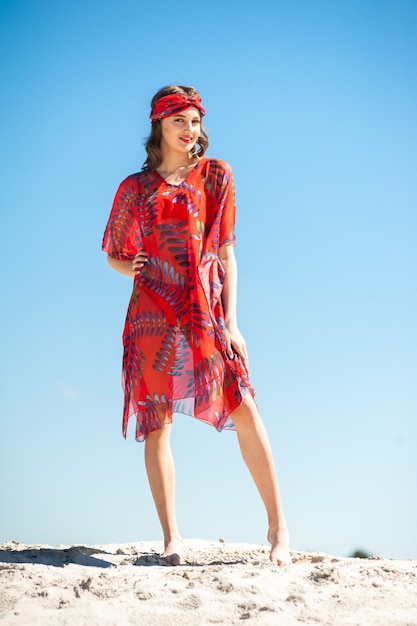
174	103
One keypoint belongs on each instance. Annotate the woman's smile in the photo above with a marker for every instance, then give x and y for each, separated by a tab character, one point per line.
187	139
181	131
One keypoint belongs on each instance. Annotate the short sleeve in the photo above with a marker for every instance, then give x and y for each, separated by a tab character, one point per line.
228	209
122	238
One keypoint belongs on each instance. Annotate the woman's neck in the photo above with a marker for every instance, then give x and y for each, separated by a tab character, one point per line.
172	162
176	167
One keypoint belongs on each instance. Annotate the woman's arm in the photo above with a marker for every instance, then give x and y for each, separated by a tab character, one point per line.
234	339
124	267
129	268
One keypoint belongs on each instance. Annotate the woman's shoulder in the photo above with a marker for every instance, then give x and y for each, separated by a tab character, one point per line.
218	170
135	179
217	164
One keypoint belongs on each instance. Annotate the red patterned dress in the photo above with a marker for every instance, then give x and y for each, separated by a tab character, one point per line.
174	339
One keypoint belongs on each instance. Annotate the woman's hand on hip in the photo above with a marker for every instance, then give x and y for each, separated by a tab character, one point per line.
141	258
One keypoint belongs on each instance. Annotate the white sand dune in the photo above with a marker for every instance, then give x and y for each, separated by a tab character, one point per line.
218	583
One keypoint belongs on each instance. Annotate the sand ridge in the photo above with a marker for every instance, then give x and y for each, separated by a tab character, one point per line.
218	583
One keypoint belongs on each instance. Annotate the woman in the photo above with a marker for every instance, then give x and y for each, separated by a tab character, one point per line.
171	229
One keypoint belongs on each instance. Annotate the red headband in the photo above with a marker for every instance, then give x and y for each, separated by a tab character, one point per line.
174	103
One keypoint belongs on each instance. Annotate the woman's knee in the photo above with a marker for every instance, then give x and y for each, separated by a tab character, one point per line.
163	432
164	415
158	439
247	411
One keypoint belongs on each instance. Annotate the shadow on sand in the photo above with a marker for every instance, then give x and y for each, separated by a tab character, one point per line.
82	555
79	555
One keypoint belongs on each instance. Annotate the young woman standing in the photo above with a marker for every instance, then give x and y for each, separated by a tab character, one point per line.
171	229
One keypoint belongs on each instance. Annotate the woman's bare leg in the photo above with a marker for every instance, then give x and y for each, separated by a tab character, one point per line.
256	452
161	475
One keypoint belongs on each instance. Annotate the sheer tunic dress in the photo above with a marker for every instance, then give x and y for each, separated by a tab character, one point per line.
174	348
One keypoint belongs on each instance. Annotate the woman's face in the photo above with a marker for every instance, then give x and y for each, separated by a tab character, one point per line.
180	132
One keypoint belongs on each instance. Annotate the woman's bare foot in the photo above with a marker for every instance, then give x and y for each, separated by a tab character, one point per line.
173	552
280	549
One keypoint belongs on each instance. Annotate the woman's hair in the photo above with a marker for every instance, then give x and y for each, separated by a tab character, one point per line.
153	143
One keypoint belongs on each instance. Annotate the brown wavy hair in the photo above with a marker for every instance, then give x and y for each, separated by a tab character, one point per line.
153	143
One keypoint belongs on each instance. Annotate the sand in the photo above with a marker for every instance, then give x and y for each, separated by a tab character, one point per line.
218	583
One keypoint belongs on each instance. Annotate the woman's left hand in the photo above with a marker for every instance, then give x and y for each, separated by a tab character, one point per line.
235	344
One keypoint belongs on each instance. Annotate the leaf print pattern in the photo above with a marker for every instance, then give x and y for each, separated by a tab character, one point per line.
122	236
214	179
175	236
187	196
199	236
147	324
208	373
172	356
165	281
147	212
174	335
200	321
134	362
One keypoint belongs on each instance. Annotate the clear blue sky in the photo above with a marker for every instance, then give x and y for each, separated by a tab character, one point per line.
314	104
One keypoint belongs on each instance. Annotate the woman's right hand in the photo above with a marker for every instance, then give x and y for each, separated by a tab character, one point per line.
139	261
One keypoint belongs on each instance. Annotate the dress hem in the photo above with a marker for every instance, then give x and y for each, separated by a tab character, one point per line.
224	423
